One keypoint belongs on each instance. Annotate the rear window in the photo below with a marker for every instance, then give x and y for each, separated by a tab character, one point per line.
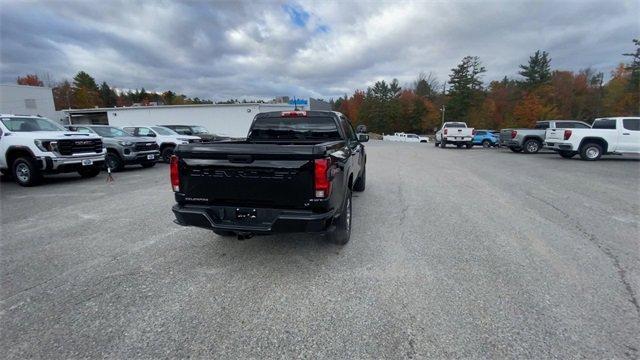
604	124
295	128
456	125
542	125
631	124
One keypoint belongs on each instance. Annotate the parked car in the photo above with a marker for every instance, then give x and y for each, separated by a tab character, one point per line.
199	131
122	147
294	173
403	137
455	133
530	141
31	146
485	138
617	135
166	139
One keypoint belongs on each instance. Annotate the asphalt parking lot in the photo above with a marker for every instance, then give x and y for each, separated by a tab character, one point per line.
476	253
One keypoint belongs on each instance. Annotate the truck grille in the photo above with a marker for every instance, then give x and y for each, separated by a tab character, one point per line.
71	147
146	146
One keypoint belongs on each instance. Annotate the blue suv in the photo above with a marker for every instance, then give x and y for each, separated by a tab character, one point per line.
485	138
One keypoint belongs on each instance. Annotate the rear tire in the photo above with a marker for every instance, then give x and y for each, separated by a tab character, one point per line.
361	183
436	143
486	144
89	172
25	172
469	145
224	233
515	149
567	154
443	144
590	151
342	233
532	146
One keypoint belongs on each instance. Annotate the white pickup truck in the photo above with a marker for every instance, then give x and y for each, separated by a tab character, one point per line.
404	137
617	135
455	133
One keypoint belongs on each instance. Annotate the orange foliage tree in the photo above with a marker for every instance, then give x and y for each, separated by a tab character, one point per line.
30	79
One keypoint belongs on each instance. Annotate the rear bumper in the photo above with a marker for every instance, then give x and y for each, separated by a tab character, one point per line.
454	139
265	220
557	146
510	143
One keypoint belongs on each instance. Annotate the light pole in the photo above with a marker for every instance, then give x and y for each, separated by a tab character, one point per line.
443	110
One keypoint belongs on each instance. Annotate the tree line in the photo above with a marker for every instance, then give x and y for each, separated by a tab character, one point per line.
539	94
83	92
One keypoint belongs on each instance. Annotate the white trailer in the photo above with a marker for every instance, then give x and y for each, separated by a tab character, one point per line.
222	119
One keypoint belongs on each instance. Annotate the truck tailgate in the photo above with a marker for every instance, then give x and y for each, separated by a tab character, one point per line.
554	135
256	175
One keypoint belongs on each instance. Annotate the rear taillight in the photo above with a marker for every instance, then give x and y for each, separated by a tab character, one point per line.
445	131
294	114
567	134
514	134
321	177
175	176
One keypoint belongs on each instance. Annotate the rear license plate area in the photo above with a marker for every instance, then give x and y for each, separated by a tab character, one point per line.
87	162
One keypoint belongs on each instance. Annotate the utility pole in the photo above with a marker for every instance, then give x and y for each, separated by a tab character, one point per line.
443	110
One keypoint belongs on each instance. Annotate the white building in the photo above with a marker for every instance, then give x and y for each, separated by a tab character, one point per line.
28	100
221	119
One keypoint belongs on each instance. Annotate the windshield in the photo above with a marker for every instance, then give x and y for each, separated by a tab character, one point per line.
31	124
199	130
163	131
309	128
109	131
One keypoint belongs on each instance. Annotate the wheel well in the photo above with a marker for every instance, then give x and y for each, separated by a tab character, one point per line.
531	138
166	145
15	153
423	141
350	183
598	141
113	151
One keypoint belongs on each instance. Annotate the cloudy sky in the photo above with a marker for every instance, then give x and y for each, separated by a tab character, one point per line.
262	49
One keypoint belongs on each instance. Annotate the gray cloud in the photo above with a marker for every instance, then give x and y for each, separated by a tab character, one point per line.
263	49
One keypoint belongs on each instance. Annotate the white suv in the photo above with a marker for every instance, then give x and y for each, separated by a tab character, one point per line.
31	146
166	138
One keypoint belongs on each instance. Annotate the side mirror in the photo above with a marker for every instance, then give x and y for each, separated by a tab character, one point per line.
363	137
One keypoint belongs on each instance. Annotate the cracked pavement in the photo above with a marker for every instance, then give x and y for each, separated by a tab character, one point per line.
476	253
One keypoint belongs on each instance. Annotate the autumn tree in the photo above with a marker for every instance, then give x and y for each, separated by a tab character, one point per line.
466	87
63	95
30	80
538	70
85	91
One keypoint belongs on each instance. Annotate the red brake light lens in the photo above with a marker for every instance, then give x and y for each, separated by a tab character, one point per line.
514	134
321	177
445	131
294	114
175	176
567	134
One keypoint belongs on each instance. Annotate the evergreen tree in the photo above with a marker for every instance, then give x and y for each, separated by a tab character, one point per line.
538	71
108	96
84	80
634	67
466	87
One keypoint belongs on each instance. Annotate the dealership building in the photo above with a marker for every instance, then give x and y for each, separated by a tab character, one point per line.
28	100
221	119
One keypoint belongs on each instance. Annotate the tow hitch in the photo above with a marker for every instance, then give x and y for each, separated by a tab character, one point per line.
245	235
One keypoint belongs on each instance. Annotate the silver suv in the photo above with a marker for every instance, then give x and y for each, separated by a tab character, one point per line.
122	147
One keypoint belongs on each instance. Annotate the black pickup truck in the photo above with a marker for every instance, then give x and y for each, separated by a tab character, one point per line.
294	173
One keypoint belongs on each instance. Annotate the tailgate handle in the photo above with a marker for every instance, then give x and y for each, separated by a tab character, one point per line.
244	159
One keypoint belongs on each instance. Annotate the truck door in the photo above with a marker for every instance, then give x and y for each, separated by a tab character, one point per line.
629	135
